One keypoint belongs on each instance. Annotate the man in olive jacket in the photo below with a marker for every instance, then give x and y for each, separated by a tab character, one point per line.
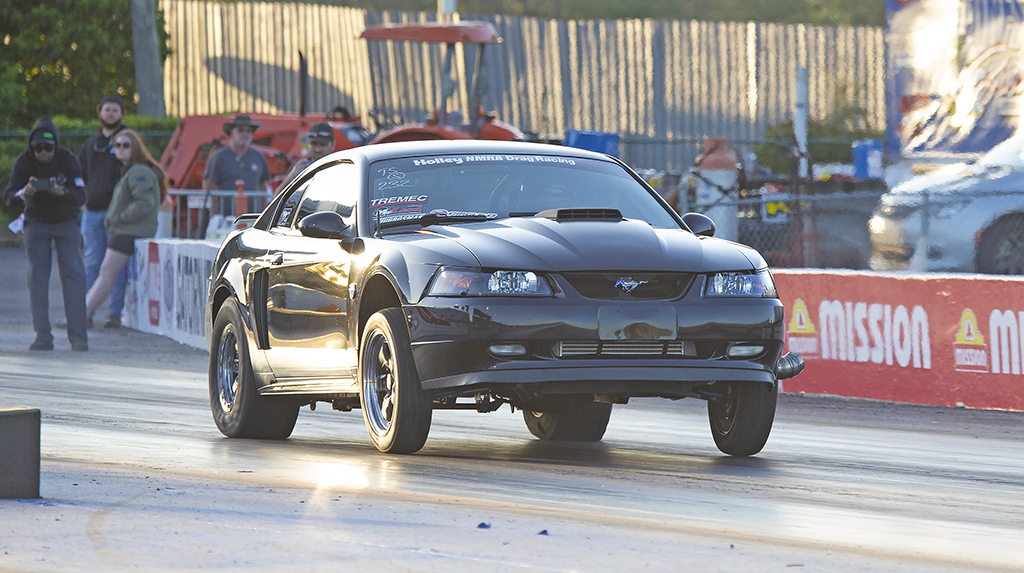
47	185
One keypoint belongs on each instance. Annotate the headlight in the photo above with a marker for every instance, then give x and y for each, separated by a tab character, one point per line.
759	284
453	282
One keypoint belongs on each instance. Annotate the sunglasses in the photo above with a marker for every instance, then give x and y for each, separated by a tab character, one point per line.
122	145
327	134
43	147
245	129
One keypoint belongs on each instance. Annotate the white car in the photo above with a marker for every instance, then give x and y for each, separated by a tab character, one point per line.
966	217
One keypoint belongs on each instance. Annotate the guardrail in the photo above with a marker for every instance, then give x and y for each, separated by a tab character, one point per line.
193	209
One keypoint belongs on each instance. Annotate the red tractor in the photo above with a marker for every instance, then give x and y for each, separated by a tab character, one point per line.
280	137
442	123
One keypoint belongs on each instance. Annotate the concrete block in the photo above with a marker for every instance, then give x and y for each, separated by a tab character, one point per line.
19	453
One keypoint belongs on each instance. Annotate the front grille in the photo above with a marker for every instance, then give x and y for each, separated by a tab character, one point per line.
672	348
630	286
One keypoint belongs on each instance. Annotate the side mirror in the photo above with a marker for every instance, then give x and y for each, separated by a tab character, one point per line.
700	224
323	225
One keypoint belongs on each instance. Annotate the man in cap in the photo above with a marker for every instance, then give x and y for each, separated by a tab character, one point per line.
236	162
319	142
101	170
46	184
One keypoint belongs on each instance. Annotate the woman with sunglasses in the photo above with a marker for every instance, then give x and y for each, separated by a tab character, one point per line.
132	213
46	184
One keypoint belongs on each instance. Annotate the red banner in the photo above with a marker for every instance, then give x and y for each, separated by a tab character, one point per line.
943	340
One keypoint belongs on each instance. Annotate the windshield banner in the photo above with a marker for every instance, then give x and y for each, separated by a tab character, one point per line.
955	71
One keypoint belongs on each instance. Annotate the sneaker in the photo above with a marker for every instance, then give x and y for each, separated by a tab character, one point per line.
113	322
41	345
80	347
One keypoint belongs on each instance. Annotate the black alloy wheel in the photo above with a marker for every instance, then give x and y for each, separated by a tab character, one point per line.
238	409
395	408
742	418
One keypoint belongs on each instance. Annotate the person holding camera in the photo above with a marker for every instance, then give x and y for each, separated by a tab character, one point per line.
46	184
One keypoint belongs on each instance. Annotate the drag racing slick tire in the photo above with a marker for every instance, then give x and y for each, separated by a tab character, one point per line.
569	418
395	408
238	409
742	418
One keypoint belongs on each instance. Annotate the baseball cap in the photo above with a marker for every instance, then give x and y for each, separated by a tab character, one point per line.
321	133
42	136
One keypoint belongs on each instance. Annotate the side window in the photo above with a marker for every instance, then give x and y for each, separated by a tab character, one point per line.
287	213
332	189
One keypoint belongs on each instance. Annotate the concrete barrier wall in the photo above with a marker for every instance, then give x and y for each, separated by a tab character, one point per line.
945	340
942	340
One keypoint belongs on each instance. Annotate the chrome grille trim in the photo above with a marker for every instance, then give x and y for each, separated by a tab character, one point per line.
569	349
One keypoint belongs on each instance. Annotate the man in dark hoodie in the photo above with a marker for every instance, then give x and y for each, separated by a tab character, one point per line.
101	171
47	184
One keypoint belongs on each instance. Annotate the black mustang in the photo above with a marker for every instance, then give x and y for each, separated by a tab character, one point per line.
404	277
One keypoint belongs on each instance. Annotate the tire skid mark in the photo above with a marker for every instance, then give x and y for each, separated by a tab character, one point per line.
94	528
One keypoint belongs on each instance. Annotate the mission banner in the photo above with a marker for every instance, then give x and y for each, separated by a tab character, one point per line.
943	340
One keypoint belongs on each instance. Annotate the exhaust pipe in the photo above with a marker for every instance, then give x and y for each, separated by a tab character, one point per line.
789	366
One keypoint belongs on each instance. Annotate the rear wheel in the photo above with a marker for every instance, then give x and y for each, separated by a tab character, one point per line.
742	418
238	409
570	418
395	407
1001	251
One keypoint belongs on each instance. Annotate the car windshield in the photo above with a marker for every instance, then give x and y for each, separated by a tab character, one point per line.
481	187
1007	153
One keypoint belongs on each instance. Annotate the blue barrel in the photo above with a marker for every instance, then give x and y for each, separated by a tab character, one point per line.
599	141
867	159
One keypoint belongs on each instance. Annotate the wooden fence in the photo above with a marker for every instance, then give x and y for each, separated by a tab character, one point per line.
662	85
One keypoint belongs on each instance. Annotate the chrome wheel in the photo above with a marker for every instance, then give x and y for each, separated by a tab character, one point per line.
395	407
742	417
238	409
379	384
227	368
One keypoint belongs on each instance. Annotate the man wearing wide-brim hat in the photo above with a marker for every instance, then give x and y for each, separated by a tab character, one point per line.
236	162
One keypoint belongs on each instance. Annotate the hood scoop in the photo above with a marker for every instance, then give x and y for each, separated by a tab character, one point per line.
562	215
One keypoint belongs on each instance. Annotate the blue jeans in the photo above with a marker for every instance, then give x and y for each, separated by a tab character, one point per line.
94	233
40	240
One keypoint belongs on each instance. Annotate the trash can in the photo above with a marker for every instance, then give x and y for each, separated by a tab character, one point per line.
599	141
867	159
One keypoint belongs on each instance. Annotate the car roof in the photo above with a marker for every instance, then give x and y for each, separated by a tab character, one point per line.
380	151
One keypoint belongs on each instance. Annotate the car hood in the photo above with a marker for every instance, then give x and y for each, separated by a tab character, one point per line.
953	179
547	245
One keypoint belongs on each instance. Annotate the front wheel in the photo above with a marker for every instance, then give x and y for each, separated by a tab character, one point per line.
395	407
569	418
742	418
1001	250
238	409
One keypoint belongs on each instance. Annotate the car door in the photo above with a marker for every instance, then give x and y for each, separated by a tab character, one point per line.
308	301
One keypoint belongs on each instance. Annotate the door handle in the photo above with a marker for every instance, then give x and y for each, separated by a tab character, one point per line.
273	259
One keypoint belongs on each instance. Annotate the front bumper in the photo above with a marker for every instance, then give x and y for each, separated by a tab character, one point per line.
451	343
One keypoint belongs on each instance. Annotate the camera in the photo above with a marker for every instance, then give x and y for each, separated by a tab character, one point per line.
43	185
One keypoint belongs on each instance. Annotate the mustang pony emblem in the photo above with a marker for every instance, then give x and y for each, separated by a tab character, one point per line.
628	284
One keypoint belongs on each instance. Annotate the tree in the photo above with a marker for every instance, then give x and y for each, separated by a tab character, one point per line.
67	54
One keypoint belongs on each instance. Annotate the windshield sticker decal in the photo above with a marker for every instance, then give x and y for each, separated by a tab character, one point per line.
400	200
459	160
383	211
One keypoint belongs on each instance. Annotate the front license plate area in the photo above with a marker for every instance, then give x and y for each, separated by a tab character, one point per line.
639	323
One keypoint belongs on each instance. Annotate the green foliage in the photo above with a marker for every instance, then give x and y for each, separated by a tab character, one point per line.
846	123
66	55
